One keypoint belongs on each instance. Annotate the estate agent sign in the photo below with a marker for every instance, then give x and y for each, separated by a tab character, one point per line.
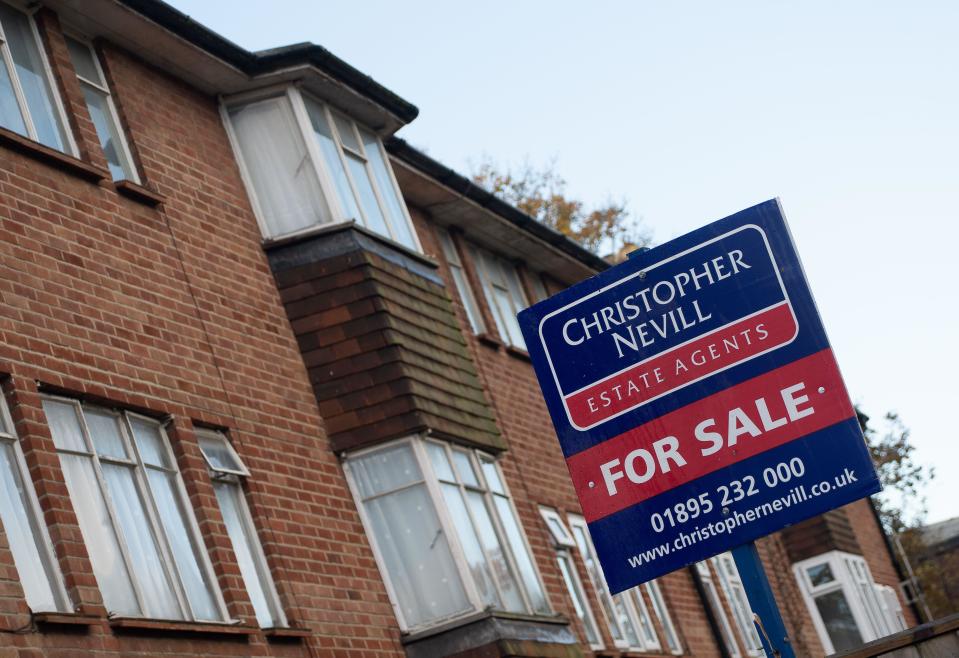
696	398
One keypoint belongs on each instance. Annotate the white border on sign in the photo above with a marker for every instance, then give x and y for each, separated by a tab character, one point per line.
549	359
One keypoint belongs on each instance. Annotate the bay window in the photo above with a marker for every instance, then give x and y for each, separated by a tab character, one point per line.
444	530
24	528
28	103
140	533
307	165
228	471
844	601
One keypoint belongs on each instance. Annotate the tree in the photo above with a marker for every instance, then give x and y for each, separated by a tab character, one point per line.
902	505
540	192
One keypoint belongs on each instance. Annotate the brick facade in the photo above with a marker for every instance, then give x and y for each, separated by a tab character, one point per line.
159	298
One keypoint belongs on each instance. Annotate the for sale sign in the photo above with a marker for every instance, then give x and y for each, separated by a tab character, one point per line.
696	398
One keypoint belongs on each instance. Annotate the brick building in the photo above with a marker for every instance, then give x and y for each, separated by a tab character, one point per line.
264	393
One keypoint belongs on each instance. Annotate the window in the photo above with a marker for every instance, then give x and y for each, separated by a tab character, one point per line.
732	585
227	471
662	614
101	109
22	522
716	606
626	615
28	104
458	273
309	165
843	600
140	533
444	531
504	294
564	543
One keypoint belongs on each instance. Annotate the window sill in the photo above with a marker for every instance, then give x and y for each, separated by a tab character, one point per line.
135	624
518	352
489	340
284	633
65	619
139	193
47	155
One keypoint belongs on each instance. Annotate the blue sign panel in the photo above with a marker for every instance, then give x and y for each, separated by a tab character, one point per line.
696	397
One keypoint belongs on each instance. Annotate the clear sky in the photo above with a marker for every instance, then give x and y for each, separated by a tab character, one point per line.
691	111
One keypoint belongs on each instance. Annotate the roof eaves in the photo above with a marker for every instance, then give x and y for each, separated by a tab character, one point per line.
482	197
258	63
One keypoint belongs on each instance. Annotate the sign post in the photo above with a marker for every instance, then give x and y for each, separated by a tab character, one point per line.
698	403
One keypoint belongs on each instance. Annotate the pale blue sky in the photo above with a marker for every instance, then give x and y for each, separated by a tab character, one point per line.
847	111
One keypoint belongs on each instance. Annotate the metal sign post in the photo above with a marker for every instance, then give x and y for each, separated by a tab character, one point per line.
769	623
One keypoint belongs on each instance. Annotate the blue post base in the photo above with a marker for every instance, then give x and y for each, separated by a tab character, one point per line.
770	626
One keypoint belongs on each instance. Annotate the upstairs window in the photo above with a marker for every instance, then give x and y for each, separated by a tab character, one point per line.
732	586
140	533
228	472
504	294
102	111
458	273
22	522
308	165
444	531
28	104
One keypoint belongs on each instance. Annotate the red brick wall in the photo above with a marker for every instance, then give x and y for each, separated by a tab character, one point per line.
173	311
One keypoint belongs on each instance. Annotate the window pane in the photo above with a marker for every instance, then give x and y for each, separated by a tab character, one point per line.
234	514
464	466
24	534
375	220
521	555
10	116
441	463
331	154
150	443
402	230
218	452
820	574
173	517
385	470
83	62
143	551
491	474
33	77
659	609
64	425
580	605
345	129
105	433
469	302
107	131
479	568
626	620
599	583
98	534
276	158
417	556
512	600
838	619
645	623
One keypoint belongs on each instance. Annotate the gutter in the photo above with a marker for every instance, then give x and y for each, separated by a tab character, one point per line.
418	160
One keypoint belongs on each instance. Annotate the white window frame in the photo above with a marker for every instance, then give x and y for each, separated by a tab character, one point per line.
35	514
731	582
235	478
665	618
851	575
126	155
565	547
432	483
6	59
715	603
318	160
630	600
152	514
493	283
461	280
